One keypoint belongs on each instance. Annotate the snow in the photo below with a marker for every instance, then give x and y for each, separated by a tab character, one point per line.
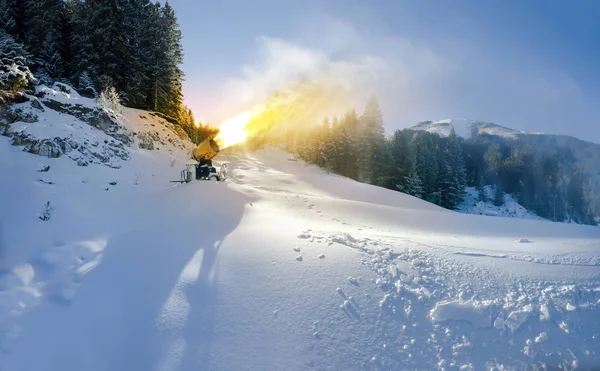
510	208
467	128
475	314
151	275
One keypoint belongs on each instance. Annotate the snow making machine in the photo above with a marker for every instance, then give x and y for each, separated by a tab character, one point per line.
200	167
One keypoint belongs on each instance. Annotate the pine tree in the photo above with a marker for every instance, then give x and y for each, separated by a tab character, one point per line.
575	200
350	144
166	56
452	173
371	138
14	64
480	187
86	86
136	71
43	37
498	196
412	185
13	17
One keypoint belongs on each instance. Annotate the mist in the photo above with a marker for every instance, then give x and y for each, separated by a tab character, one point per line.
415	79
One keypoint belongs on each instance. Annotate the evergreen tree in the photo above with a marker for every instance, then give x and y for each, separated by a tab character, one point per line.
86	86
412	185
575	199
480	187
136	71
371	140
43	36
402	158
166	56
13	17
498	196
14	64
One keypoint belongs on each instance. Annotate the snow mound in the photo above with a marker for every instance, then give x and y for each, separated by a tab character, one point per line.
475	313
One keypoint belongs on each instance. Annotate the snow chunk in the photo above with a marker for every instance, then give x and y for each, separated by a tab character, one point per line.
544	312
565	327
299	258
517	318
543	337
476	314
499	323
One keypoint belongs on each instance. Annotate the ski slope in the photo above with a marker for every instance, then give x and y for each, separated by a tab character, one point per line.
281	267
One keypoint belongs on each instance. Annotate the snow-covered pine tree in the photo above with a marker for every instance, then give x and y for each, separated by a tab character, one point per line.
323	143
412	185
166	56
12	18
453	175
7	21
43	36
136	69
14	64
85	86
427	160
351	144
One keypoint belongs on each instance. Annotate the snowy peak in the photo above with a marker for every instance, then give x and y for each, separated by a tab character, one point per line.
467	128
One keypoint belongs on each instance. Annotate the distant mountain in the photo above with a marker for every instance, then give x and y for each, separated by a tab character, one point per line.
468	128
585	154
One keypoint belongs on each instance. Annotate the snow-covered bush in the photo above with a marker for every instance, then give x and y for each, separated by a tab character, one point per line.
110	101
14	72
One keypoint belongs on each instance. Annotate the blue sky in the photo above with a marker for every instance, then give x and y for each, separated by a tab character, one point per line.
527	64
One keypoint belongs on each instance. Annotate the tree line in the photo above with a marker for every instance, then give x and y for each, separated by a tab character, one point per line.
133	46
438	169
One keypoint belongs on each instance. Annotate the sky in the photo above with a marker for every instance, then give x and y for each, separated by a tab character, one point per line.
530	65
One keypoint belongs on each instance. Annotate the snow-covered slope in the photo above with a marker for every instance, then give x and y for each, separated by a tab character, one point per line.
510	208
282	267
467	128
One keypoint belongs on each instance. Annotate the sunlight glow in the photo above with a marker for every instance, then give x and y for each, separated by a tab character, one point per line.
298	103
232	130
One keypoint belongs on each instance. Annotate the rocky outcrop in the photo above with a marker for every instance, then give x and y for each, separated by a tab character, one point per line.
109	152
96	117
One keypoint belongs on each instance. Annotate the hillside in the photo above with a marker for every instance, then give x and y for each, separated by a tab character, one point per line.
283	266
582	154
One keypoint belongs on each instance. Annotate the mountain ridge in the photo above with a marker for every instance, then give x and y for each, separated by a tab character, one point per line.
465	128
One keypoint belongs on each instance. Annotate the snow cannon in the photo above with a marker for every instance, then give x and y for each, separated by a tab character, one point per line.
206	151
